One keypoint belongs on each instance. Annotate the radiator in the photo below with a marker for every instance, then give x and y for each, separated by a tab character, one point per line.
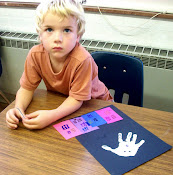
158	64
152	57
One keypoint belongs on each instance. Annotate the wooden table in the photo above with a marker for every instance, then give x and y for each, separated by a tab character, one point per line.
26	152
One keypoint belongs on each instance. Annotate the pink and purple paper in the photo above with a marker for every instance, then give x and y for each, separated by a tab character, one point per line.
83	125
67	129
94	119
109	115
87	122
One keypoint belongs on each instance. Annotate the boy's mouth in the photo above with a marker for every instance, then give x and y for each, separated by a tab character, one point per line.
57	48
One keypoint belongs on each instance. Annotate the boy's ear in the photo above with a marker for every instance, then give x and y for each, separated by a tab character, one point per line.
39	35
78	38
40	38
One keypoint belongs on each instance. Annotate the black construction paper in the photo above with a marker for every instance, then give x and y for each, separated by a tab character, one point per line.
116	164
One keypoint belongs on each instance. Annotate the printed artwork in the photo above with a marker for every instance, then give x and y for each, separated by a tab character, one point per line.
87	123
122	146
83	125
109	115
126	148
67	129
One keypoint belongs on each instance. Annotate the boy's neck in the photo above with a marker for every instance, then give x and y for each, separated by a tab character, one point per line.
57	64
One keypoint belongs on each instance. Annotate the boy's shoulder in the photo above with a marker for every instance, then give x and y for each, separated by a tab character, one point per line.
80	53
37	48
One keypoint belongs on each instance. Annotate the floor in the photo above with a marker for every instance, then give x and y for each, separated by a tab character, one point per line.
3	106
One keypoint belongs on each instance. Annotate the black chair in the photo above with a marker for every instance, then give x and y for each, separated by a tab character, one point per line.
122	73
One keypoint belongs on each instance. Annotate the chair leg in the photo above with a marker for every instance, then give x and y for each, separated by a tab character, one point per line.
4	97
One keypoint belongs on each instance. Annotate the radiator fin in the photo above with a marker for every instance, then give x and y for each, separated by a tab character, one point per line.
151	57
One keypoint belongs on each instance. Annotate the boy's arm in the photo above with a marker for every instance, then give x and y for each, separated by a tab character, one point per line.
42	118
69	106
23	98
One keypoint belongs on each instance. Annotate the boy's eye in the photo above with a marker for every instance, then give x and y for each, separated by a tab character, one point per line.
67	30
49	30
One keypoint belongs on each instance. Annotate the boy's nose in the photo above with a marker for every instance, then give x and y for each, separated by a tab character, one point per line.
58	37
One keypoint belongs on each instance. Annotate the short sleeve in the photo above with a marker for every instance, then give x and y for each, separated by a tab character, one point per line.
82	81
30	78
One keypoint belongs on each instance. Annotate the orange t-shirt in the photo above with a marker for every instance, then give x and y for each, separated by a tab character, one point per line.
78	77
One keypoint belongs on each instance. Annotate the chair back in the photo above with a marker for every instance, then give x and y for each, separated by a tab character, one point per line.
122	73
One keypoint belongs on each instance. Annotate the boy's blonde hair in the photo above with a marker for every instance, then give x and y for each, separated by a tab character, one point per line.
64	9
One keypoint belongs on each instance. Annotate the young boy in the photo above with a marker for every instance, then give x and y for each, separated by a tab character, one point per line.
63	64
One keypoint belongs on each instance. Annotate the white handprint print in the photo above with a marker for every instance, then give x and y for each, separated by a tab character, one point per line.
126	148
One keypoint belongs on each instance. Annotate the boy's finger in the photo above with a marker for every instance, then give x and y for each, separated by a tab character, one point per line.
32	115
30	121
12	126
29	126
12	119
21	114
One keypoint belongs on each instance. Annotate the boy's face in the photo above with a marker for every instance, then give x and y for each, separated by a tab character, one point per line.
59	36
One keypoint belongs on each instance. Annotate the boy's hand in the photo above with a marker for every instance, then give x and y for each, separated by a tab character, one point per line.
12	118
38	119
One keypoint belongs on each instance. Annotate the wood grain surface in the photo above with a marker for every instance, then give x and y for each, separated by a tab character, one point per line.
39	152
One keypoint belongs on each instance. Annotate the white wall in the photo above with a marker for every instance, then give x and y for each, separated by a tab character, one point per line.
130	30
133	29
